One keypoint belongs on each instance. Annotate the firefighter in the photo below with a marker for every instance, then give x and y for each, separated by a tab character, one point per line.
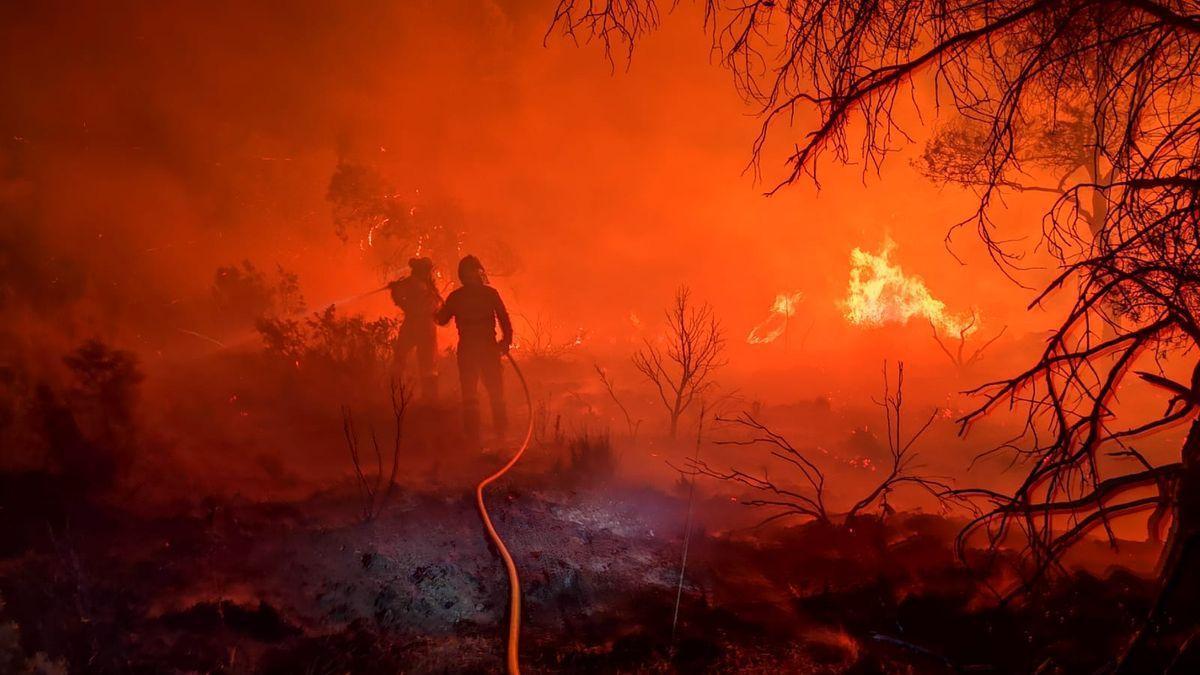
477	309
417	296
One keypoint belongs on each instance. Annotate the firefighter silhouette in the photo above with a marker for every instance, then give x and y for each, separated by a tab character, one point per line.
418	297
476	309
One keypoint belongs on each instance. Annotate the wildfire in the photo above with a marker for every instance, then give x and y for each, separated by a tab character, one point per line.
880	293
776	322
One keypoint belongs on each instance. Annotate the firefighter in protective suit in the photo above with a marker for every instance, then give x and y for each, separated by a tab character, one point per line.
477	309
417	296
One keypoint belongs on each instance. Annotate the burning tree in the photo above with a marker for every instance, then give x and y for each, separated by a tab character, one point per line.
682	370
1131	66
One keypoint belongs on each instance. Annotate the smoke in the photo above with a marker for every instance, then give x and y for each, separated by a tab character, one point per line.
158	143
143	147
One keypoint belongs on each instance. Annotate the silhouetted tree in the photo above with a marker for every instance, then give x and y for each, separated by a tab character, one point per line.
1054	154
349	346
243	293
375	487
807	499
541	340
90	428
1132	67
955	348
630	424
682	368
393	224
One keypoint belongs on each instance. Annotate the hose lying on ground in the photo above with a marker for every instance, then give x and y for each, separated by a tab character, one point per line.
514	582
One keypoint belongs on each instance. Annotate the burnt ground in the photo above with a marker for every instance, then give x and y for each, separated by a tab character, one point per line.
235	586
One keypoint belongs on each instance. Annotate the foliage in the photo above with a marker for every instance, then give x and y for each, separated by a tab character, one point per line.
244	293
369	211
105	382
88	429
330	341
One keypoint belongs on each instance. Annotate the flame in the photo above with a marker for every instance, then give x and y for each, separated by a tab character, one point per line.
881	293
777	321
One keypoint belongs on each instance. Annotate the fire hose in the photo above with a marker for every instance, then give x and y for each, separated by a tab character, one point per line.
514	581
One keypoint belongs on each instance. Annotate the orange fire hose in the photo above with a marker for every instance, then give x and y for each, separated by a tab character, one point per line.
514	581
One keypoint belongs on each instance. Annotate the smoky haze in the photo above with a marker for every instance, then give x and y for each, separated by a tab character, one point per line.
153	144
146	146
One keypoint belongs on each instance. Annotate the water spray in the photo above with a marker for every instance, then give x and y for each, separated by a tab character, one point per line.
242	338
353	298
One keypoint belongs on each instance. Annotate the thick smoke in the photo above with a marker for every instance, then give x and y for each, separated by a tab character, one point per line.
151	154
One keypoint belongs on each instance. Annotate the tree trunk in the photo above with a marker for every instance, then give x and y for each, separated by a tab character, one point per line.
1169	641
676	413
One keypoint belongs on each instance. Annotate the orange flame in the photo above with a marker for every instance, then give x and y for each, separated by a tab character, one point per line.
881	293
777	321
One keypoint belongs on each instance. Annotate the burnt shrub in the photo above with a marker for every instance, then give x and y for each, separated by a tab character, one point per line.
589	458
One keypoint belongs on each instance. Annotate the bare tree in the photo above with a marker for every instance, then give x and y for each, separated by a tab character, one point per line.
1134	67
540	340
809	499
682	369
373	490
631	424
957	350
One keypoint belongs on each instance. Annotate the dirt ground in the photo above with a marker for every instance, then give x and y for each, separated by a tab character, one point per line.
235	586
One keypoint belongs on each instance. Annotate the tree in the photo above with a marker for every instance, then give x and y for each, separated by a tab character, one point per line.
808	500
682	369
955	347
390	224
1132	66
1057	148
374	490
244	294
630	424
